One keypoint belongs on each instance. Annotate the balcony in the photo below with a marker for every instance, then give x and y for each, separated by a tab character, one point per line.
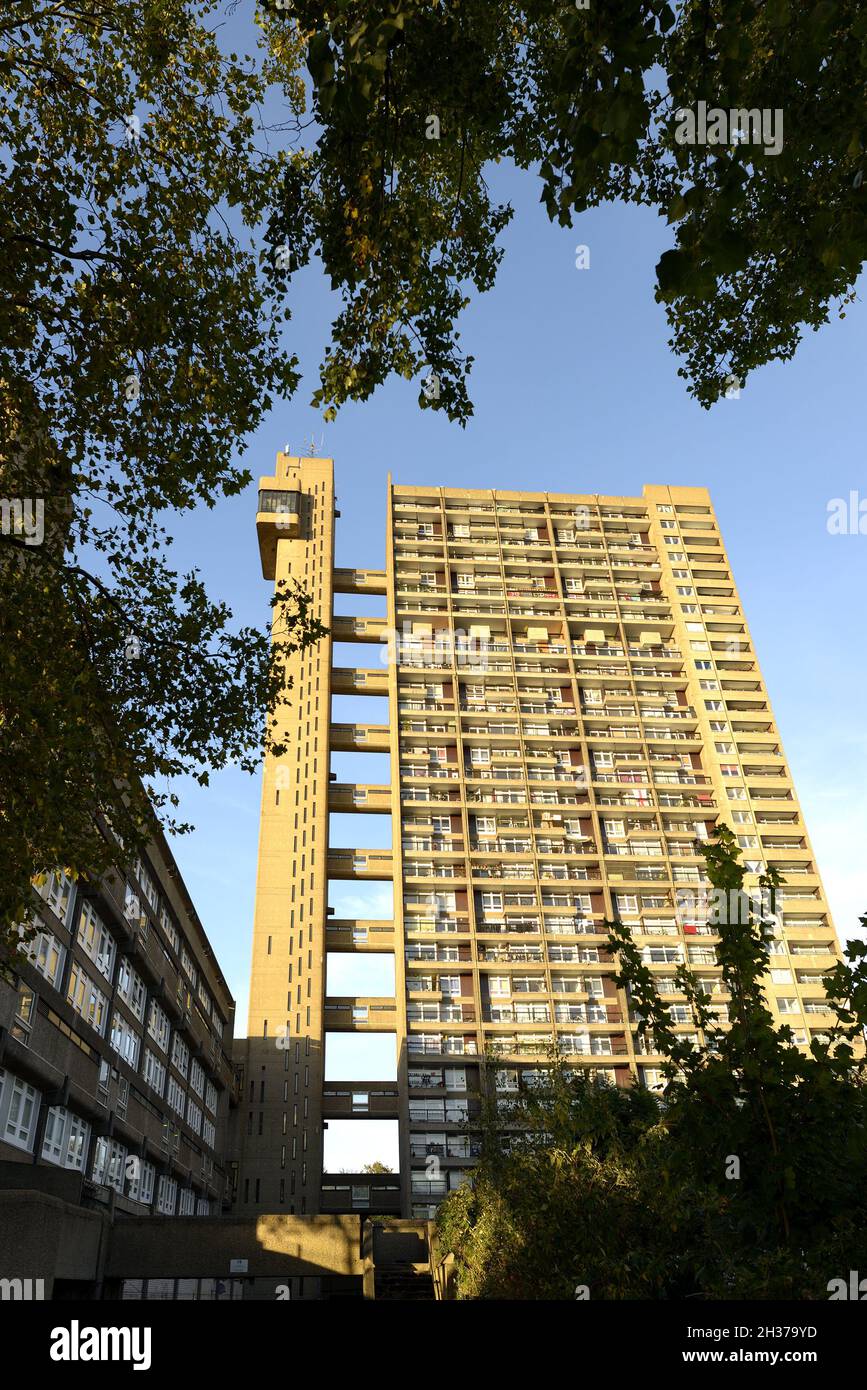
360	738
353	934
354	796
346	1100
350	629
360	1014
347	680
349	581
374	864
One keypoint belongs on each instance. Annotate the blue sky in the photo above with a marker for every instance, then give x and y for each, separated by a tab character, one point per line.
575	390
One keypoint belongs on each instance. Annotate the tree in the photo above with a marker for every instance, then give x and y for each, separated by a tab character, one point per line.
139	344
377	1166
416	99
742	1181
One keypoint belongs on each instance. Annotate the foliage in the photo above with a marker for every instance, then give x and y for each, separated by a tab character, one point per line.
743	1181
415	99
139	343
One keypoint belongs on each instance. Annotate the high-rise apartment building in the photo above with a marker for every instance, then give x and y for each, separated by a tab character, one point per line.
574	699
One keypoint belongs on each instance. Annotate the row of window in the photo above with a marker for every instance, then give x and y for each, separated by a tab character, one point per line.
65	1143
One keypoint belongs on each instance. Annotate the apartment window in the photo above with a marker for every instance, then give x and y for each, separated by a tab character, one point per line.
194	1117
125	1040
47	955
96	940
187	963
19	1108
24	1010
736	794
131	989
480	755
154	1071
109	1159
148	885
167	1195
65	1139
57	892
176	1096
170	929
141	1187
158	1026
87	999
180	1055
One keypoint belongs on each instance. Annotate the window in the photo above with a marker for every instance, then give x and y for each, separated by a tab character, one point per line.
167	1195
181	1055
141	1187
176	1096
148	885
19	1108
187	963
109	1160
47	956
125	1040
131	989
154	1071
96	940
57	892
197	1078
65	1140
158	1026
480	755
170	929
87	999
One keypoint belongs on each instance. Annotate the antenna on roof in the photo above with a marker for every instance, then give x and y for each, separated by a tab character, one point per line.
314	452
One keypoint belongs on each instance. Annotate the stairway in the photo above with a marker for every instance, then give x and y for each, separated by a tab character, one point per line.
404	1280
